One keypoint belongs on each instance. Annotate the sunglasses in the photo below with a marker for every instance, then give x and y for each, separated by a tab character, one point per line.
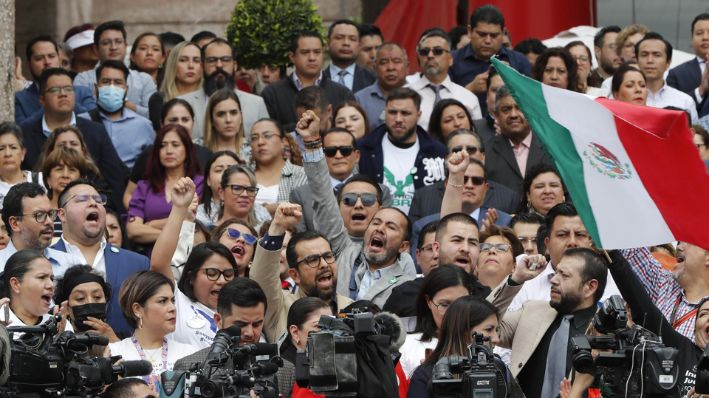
500	247
236	234
472	150
331	151
437	51
474	179
213	274
350	199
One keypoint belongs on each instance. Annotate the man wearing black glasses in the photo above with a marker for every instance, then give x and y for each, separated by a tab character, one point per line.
83	217
341	156
435	60
29	218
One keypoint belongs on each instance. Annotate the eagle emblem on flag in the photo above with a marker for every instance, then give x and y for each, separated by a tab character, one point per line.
606	162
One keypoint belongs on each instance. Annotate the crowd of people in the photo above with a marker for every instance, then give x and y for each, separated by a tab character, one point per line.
159	202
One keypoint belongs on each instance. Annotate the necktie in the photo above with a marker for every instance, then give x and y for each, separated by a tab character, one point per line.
556	359
437	90
341	78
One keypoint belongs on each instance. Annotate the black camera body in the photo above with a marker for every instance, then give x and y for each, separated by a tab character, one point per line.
478	375
701	385
633	362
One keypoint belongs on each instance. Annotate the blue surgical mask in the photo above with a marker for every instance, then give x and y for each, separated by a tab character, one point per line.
110	98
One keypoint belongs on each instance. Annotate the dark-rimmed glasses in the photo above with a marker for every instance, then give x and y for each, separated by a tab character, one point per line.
313	260
213	274
41	215
237	190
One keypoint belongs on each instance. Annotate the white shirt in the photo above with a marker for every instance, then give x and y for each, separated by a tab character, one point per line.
5	187
448	89
195	322
413	352
267	194
399	172
99	264
60	261
670	96
175	351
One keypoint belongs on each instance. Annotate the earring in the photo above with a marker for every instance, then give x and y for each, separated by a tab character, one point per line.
140	322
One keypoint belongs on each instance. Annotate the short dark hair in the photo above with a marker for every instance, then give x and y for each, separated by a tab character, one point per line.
456	33
408	230
312	97
81	181
199	255
541	63
139	288
434	122
619	75
427	229
217	40
526	218
112	64
14	129
123	388
341	22
167	107
600	36
241	292
487	14
529	177
595	266
12	204
577	43
16	267
435	32
701	17
560	210
291	254
340	130
454	217
110	25
171	39
530	45
366	29
655	36
302	34
302	308
507	234
201	35
403	93
49	72
365	179
38	39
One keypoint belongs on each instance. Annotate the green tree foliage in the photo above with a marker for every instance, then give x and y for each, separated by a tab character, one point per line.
261	30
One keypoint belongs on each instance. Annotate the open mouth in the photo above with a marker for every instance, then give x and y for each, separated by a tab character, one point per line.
215	292
359	217
238	250
93	216
47	299
680	258
324	279
376	242
462	260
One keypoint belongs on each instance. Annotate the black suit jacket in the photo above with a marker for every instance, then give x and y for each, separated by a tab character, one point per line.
427	200
100	147
362	78
280	98
501	165
686	77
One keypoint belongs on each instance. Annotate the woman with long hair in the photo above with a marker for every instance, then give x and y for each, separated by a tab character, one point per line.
147	55
237	193
351	116
557	68
224	124
28	282
240	238
447	116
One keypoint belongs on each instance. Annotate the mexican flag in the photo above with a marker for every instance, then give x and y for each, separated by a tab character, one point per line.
633	172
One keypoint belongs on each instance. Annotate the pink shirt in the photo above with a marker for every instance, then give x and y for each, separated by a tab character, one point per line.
521	152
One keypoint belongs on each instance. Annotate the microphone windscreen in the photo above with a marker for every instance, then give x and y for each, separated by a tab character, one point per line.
392	326
135	368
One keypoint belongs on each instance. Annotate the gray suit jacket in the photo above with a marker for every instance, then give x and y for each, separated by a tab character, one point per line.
501	165
252	106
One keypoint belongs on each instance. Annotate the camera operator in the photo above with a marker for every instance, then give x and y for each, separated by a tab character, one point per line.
465	316
644	309
28	282
84	295
540	333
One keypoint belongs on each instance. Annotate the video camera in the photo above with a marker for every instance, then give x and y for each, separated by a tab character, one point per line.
478	375
634	362
352	355
252	367
50	364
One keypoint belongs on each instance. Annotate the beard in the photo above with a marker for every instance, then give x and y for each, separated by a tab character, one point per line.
314	291
566	304
218	80
432	71
403	138
607	66
382	258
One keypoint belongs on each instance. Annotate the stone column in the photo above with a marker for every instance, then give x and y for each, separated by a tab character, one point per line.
7	60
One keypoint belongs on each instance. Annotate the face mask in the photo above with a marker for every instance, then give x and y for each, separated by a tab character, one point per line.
81	312
110	98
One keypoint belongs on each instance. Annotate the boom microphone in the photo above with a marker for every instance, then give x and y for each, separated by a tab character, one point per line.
391	325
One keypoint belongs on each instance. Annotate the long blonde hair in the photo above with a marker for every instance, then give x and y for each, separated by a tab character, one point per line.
210	134
168	89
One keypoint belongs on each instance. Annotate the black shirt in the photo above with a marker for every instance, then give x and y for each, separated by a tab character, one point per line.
531	378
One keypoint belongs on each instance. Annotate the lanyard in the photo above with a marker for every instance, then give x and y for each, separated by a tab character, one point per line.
684	318
153	379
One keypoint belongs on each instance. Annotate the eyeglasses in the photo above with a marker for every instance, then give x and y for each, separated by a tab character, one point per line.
441	307
83	198
213	60
474	179
350	199
213	274
237	189
313	260
236	234
437	51
41	215
108	42
266	136
472	150
60	89
331	151
500	247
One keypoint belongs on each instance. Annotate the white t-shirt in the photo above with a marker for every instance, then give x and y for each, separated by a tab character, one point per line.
413	352
195	322
267	194
175	350
399	172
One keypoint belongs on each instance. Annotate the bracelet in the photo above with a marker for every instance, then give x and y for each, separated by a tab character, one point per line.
312	144
455	186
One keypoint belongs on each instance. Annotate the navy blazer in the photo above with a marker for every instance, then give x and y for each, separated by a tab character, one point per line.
686	77
120	264
362	78
100	147
371	155
27	101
